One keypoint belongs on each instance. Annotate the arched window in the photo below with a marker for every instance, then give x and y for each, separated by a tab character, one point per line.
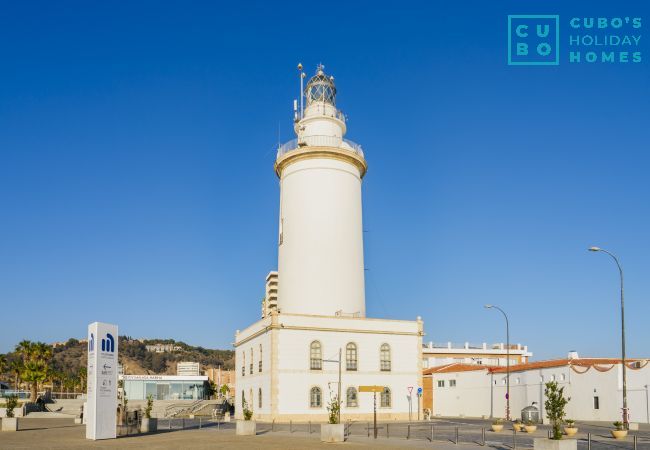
384	357
385	398
351	356
259	369
259	398
315	356
315	397
351	398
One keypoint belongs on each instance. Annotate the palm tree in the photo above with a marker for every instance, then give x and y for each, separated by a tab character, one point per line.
16	368
3	364
83	376
35	364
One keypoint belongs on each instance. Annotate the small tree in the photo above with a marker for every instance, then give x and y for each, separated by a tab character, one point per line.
555	404
333	410
248	413
11	402
147	410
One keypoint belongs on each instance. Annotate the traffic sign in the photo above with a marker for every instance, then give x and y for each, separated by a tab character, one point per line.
419	391
410	389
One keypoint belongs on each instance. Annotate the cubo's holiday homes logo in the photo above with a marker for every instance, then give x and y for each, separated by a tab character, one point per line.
534	40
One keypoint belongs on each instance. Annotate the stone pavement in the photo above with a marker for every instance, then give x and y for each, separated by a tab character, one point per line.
63	434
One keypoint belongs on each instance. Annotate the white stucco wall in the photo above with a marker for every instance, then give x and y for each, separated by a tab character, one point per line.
476	393
293	378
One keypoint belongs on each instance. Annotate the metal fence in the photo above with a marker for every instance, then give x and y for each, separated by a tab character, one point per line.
433	432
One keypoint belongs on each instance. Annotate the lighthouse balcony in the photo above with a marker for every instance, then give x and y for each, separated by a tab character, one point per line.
319	141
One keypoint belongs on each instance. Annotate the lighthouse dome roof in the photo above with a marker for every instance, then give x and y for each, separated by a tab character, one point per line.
321	88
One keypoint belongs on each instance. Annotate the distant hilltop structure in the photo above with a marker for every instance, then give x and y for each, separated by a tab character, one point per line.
163	348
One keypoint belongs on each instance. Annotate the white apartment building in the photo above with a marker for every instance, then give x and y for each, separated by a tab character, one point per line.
186	368
270	301
593	384
435	354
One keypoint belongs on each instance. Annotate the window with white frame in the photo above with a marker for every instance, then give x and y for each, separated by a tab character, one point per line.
315	356
351	400
351	356
315	397
384	358
386	398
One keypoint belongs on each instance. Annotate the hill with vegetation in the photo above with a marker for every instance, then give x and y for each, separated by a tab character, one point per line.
65	364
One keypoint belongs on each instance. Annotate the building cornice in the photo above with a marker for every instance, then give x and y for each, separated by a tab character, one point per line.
312	152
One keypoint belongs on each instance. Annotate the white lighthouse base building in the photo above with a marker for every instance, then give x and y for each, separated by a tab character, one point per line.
287	367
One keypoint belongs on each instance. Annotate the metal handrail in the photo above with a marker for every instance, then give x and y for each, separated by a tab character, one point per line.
319	141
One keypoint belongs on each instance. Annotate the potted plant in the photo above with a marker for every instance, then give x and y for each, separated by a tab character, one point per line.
10	423
518	425
246	427
619	432
570	429
497	425
530	426
554	405
149	424
333	431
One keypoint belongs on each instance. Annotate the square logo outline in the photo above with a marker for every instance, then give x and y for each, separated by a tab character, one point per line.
556	62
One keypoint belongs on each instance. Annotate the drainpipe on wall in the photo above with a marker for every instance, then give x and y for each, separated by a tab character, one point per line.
492	395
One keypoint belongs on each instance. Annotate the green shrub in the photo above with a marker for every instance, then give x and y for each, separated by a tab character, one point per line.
555	404
147	410
333	410
10	403
248	413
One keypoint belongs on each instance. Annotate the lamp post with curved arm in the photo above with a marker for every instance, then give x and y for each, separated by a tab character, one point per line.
620	272
507	358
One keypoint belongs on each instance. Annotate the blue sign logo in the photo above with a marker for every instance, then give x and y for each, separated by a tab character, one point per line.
419	391
108	344
91	343
533	40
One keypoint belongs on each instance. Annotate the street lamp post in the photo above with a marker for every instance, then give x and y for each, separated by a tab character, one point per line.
620	272
507	359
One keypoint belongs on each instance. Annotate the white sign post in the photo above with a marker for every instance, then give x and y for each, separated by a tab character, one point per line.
102	381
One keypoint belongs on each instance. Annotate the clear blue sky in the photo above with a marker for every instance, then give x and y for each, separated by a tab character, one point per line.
137	187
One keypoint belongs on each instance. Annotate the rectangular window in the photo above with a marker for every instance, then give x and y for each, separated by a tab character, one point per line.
441	383
596	403
243	371
251	368
452	383
260	366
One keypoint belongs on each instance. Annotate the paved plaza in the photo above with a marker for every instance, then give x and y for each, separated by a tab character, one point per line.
46	433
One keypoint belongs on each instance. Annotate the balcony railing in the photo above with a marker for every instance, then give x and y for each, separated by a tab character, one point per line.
319	141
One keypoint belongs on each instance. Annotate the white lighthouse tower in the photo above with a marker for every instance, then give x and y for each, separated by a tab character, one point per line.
320	256
314	343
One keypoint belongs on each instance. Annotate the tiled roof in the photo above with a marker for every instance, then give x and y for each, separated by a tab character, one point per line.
455	367
582	362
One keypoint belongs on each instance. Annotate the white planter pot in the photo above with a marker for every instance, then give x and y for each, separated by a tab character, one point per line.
10	424
148	425
332	432
552	444
246	428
